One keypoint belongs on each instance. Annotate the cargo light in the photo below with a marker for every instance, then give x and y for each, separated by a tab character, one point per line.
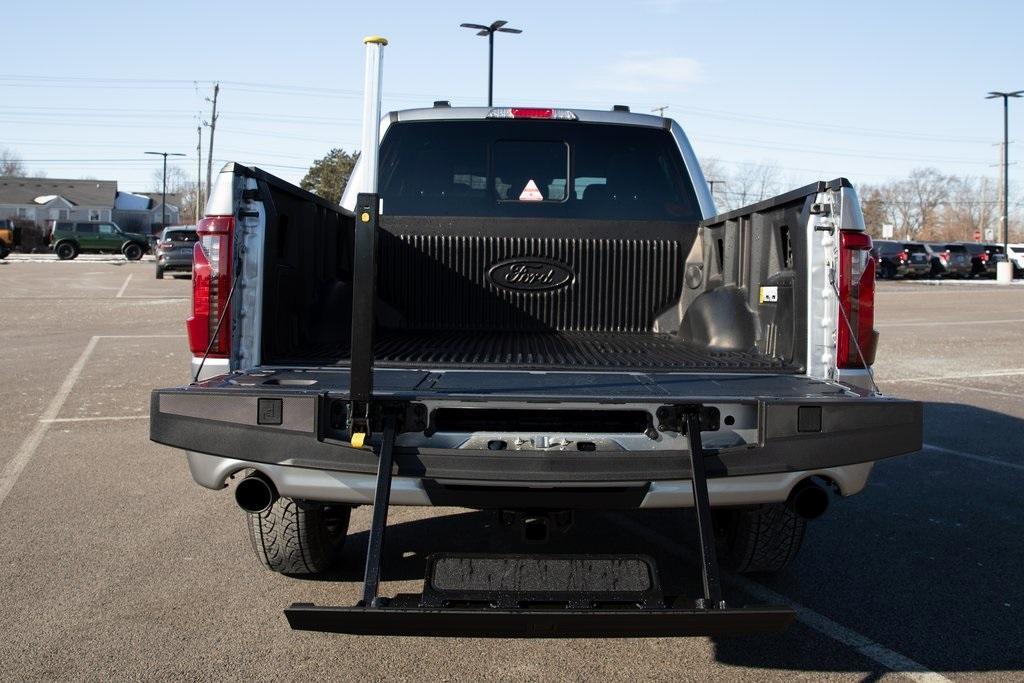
531	113
857	338
211	287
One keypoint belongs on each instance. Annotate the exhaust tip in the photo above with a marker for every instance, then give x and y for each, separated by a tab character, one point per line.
255	493
808	499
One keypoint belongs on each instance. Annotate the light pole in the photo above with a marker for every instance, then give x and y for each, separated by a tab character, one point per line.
1006	169
163	201
489	31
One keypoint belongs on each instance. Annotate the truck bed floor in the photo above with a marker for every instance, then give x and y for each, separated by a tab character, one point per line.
545	350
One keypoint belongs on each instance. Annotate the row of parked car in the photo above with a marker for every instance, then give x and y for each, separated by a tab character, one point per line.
943	259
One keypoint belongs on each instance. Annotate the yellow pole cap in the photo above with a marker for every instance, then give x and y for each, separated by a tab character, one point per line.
380	40
358	439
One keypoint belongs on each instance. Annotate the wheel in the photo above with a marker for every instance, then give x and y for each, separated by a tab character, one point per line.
132	251
294	537
888	271
760	540
66	251
159	273
4	251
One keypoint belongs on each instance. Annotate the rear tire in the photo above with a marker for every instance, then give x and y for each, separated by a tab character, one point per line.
132	251
66	251
293	537
159	273
761	540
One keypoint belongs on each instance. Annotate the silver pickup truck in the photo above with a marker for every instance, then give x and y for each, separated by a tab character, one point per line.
540	311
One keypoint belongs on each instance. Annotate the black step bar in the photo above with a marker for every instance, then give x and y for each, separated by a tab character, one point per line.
534	614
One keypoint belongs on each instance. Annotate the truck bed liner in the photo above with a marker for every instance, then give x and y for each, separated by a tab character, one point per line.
545	350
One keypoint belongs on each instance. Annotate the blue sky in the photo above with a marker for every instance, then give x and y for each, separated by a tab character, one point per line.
868	90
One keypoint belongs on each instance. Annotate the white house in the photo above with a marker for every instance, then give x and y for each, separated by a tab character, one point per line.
42	199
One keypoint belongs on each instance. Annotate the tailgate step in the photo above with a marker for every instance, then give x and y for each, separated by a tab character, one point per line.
524	596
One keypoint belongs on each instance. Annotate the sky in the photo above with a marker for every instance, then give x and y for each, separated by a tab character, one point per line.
867	90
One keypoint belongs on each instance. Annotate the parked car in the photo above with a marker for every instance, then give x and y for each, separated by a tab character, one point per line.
1017	259
901	259
984	258
949	260
10	237
69	239
173	250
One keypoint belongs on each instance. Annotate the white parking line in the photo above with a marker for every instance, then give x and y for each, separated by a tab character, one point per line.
95	419
972	456
1012	372
120	292
942	323
16	465
964	387
863	645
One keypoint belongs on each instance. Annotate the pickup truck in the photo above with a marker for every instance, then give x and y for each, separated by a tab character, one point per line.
542	311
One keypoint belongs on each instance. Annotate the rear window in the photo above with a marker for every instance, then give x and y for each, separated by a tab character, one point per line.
182	236
87	227
915	248
888	247
956	248
531	168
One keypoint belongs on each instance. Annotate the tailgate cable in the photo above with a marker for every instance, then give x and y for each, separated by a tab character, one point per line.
216	330
853	337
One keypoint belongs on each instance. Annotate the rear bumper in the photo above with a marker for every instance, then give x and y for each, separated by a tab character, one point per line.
306	483
290	428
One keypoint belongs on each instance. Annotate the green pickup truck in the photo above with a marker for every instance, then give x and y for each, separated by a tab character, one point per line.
71	238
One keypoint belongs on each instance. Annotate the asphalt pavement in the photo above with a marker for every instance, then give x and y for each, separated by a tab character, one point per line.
114	565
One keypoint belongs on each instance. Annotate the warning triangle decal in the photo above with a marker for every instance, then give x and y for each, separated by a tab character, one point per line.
530	193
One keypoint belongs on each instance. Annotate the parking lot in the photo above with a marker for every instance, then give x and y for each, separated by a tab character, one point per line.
115	565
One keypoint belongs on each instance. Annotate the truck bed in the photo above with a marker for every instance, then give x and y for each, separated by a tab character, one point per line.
547	350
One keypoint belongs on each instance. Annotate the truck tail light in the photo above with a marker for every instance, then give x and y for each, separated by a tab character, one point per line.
983	257
211	284
530	113
904	257
856	342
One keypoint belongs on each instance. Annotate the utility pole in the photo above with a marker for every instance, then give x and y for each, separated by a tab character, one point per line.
163	202
213	126
199	171
661	113
1006	172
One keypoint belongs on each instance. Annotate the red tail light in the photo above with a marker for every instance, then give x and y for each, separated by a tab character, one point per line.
857	299
211	283
904	257
983	257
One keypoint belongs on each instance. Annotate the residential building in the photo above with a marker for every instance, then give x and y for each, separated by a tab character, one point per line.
43	199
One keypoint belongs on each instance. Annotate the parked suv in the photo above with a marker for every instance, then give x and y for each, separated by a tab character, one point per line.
949	260
984	258
903	259
10	237
69	239
174	248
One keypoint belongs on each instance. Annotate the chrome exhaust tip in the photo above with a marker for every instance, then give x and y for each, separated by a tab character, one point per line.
256	493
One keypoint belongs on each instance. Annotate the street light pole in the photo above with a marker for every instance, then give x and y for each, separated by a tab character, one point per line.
163	202
1006	164
489	31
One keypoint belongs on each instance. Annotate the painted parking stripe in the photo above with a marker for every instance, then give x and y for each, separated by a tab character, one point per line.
965	387
120	292
16	465
1012	372
860	643
95	419
973	456
947	324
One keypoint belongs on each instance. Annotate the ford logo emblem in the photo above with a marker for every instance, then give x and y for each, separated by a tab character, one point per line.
530	274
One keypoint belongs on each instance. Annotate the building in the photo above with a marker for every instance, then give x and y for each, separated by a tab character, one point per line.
143	211
43	199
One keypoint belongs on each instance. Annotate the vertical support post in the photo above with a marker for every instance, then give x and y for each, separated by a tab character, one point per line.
364	257
381	500
710	579
490	69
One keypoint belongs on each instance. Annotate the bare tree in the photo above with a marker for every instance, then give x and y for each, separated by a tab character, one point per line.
11	164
